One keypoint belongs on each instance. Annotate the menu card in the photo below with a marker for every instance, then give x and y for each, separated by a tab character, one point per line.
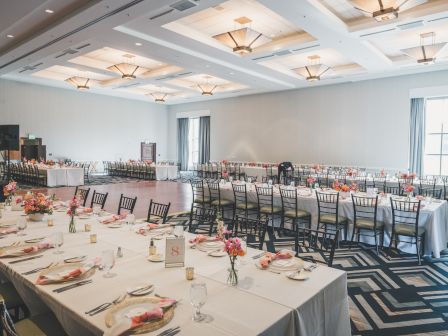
175	252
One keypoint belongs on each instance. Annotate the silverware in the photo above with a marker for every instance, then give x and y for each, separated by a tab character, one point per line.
168	331
66	288
106	305
140	290
258	255
173	332
34	240
26	259
37	269
76	259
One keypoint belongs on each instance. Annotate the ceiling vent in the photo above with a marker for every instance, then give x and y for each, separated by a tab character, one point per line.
67	52
183	5
410	25
125	86
161	14
305	48
174	76
83	46
263	57
30	67
378	32
438	19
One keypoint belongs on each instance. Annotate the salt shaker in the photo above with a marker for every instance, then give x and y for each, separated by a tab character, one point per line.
119	252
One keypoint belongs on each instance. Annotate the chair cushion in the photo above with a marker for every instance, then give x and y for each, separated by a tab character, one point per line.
331	219
300	213
268	209
9	293
40	325
201	200
408	230
366	223
249	206
223	202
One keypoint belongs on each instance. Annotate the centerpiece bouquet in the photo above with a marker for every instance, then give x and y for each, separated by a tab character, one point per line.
408	175
37	205
72	208
9	190
310	181
409	190
234	250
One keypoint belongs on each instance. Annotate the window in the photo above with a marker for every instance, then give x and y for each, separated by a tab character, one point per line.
436	139
193	142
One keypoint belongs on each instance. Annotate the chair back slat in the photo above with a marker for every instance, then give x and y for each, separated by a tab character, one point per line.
98	199
126	203
158	209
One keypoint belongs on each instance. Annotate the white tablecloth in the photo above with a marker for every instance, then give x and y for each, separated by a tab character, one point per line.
166	172
264	303
64	176
433	216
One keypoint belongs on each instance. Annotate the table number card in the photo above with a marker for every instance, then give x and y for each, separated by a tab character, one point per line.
175	252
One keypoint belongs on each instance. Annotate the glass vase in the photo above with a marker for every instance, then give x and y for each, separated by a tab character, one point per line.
72	226
232	275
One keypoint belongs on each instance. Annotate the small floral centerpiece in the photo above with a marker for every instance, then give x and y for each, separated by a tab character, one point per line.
9	190
310	181
72	208
234	250
37	205
225	174
382	173
317	167
409	189
408	175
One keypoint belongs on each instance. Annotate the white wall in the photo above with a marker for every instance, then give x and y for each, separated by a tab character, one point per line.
83	126
362	123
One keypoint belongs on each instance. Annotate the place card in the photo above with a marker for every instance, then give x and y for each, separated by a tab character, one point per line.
175	252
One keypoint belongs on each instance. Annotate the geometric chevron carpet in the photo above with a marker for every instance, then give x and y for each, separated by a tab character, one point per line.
390	297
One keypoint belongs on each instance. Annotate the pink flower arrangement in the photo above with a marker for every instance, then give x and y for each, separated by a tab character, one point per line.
73	206
382	173
340	187
19	200
317	167
310	181
409	188
37	203
10	189
234	249
225	174
408	176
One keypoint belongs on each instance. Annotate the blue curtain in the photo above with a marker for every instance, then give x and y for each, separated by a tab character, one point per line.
417	136
183	125
204	140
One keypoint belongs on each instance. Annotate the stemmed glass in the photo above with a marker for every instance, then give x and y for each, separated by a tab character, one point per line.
58	240
198	296
96	210
179	231
130	220
108	261
21	225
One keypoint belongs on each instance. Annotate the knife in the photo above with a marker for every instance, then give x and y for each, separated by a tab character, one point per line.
66	288
26	259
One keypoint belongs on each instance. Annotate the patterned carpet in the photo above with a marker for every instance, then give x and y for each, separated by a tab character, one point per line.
391	297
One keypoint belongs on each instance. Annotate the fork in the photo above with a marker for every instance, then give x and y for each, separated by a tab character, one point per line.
104	306
37	269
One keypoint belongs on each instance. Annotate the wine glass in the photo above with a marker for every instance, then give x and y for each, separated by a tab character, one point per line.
58	240
108	261
179	231
130	220
96	210
198	296
21	225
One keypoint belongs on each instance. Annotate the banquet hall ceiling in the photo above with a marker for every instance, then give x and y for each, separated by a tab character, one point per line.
175	47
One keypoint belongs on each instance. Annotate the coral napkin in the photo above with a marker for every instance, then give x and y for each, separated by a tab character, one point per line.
112	219
269	257
75	273
201	238
123	326
9	230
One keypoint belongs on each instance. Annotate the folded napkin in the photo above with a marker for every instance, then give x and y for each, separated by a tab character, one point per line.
84	211
125	325
269	257
30	249
201	238
112	219
75	273
8	230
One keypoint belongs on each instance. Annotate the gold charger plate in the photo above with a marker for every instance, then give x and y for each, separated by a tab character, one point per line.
15	251
67	267
120	311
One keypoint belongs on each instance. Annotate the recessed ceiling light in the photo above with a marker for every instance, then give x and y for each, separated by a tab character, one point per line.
10	36
49	11
207	66
138	44
231	73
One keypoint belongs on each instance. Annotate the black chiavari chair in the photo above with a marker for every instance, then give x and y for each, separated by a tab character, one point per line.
328	213
432	192
159	210
126	203
242	204
217	200
98	199
253	231
265	202
82	194
202	219
365	210
405	217
317	246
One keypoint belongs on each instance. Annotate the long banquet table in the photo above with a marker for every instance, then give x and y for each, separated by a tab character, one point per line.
433	216
166	172
65	176
264	303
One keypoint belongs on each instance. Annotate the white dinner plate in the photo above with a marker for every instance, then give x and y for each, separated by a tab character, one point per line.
300	276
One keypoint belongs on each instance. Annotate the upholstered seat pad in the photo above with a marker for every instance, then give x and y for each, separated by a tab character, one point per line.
366	223
331	219
223	202
299	214
249	206
268	209
408	230
202	200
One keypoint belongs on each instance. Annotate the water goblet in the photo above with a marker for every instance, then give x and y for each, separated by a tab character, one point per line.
96	210
198	297
108	261
21	226
58	240
179	231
